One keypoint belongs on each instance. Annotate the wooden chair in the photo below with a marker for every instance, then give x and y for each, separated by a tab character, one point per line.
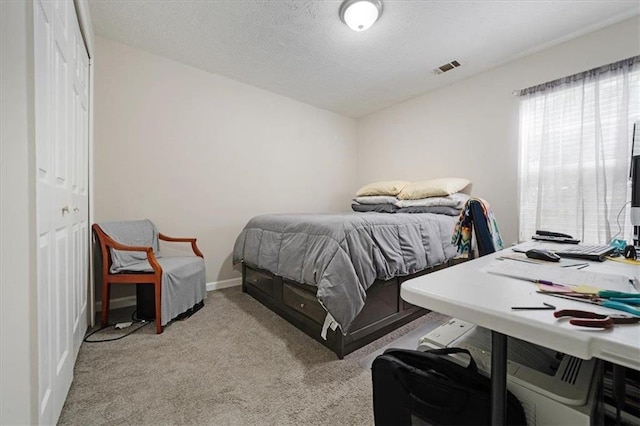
155	278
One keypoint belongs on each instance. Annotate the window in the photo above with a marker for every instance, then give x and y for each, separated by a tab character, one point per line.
575	152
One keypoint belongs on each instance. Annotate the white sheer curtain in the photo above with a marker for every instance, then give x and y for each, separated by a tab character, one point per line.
575	152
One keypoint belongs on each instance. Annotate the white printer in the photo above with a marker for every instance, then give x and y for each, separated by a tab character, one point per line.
553	388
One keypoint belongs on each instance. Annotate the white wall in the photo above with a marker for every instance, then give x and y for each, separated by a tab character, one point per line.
470	129
200	154
18	334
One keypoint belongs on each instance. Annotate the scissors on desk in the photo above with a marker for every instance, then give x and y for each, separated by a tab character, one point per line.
594	320
620	303
620	296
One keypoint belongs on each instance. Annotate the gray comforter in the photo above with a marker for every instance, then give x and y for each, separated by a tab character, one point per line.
343	254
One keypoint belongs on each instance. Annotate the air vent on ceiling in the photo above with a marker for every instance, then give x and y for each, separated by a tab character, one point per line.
446	67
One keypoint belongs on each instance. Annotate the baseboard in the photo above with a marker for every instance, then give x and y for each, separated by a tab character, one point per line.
122	302
118	302
218	285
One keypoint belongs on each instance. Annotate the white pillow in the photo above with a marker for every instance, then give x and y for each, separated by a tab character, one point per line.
433	188
388	187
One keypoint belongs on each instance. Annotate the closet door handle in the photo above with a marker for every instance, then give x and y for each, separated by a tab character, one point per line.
65	210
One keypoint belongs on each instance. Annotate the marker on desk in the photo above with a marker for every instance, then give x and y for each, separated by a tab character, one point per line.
552	284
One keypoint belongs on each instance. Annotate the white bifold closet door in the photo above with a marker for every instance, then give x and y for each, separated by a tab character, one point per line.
62	141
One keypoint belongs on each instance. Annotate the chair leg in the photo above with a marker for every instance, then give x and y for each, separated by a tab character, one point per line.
158	294
106	295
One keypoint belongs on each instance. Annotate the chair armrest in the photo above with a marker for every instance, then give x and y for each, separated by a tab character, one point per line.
194	246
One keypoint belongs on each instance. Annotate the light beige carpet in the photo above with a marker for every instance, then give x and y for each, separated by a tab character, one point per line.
232	363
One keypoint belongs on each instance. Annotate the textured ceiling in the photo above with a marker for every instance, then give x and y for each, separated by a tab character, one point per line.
302	50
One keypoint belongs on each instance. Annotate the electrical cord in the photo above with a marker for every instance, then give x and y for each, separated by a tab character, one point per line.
136	319
86	338
624	206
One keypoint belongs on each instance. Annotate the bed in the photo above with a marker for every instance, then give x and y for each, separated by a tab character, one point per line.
337	277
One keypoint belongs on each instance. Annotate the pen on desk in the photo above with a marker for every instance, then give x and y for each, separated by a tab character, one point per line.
576	265
534	308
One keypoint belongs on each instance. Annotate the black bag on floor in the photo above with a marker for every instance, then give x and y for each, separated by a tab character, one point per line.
417	388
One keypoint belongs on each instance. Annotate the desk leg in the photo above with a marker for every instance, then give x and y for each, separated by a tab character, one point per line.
619	389
498	378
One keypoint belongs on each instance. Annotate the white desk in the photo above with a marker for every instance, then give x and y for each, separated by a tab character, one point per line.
465	292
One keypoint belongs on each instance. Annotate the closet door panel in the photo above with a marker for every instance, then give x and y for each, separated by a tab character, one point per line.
45	338
45	180
80	183
62	139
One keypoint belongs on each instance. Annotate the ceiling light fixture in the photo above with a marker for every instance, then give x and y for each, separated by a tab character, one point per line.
359	15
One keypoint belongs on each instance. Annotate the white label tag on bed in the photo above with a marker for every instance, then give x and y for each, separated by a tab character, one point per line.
329	322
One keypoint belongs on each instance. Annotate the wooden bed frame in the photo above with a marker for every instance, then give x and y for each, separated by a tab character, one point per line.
383	312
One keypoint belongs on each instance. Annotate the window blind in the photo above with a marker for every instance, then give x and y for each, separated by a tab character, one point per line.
575	151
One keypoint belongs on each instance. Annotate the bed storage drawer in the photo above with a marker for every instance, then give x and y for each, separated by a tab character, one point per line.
382	302
407	306
303	301
262	282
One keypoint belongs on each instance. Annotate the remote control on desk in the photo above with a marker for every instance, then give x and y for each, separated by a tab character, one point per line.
554	237
552	234
561	240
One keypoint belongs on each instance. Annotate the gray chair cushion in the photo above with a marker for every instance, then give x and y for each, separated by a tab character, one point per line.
175	265
131	233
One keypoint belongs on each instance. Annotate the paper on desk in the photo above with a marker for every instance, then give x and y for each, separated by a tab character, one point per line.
573	277
521	257
541	245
